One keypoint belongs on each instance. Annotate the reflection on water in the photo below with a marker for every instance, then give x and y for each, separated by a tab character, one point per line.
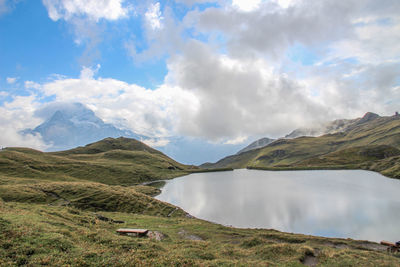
355	204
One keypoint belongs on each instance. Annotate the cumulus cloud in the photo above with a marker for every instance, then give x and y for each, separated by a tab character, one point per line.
164	40
11	80
156	142
355	70
246	5
192	2
18	115
153	113
239	98
270	29
92	9
153	16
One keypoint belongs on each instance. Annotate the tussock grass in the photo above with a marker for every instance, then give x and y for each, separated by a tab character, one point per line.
89	196
37	234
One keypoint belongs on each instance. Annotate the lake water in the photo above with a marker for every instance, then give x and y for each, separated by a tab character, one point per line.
336	203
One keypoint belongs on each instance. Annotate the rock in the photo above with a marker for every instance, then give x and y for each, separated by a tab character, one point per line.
369	116
155	235
186	235
102	218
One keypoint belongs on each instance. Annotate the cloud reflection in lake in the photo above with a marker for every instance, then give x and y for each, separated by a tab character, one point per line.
340	203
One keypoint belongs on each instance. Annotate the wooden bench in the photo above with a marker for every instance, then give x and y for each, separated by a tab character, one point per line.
392	247
129	231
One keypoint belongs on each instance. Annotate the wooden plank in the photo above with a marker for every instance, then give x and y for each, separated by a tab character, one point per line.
387	243
132	231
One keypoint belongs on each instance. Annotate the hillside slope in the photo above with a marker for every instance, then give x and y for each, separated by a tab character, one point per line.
100	176
120	161
374	134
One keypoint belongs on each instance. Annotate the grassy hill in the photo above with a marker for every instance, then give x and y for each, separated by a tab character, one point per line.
120	161
63	209
101	176
370	144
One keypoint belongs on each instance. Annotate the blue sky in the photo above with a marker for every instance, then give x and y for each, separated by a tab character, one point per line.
220	72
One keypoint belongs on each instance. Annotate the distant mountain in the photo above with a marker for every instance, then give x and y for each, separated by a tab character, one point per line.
71	125
370	142
332	127
257	144
326	128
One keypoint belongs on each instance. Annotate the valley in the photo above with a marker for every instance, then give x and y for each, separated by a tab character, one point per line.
50	203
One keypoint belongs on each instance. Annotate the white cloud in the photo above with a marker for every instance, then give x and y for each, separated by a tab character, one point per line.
239	98
270	29
18	115
166	40
88	73
246	5
286	3
11	80
238	140
154	17
153	113
92	9
32	85
4	94
192	2
371	43
156	142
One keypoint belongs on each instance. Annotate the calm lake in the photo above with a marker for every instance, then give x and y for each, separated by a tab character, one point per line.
335	203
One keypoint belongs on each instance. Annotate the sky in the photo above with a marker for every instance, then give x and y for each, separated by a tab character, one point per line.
223	72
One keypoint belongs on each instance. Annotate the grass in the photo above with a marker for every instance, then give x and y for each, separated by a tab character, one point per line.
37	234
89	196
212	170
94	163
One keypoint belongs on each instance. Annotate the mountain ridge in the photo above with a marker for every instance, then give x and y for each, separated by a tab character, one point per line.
294	153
